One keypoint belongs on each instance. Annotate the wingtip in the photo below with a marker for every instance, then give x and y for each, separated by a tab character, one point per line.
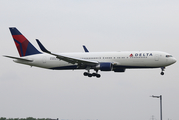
42	47
85	49
12	27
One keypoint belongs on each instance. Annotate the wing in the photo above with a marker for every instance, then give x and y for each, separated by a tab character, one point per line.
69	59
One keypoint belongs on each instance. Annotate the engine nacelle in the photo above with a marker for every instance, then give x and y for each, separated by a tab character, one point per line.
105	66
119	69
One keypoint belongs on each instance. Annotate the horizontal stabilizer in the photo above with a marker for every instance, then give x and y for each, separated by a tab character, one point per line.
17	58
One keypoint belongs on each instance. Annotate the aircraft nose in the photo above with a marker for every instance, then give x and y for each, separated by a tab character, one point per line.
173	60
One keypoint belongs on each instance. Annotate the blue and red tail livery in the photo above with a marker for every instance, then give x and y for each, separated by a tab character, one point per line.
24	47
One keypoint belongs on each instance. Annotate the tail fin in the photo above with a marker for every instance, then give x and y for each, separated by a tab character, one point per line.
24	47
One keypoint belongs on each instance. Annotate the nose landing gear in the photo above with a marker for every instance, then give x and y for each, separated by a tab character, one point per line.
163	69
162	73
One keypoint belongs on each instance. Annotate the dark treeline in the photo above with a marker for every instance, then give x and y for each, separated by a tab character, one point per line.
28	118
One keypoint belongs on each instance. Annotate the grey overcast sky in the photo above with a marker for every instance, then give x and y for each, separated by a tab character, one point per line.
101	25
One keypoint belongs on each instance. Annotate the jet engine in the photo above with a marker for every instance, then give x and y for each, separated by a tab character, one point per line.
105	66
119	69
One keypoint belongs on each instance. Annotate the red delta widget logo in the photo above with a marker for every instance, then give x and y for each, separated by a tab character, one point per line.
140	55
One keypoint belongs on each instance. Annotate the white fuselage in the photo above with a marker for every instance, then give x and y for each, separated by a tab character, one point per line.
129	59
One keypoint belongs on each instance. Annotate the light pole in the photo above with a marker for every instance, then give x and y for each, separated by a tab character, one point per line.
160	104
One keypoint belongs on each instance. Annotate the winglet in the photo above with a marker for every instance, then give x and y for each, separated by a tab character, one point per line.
42	47
85	49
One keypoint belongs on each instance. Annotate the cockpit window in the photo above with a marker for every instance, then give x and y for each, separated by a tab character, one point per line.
168	55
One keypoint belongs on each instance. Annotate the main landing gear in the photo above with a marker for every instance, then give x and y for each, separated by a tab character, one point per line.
163	68
92	74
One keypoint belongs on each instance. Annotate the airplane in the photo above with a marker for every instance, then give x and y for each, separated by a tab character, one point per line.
103	61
